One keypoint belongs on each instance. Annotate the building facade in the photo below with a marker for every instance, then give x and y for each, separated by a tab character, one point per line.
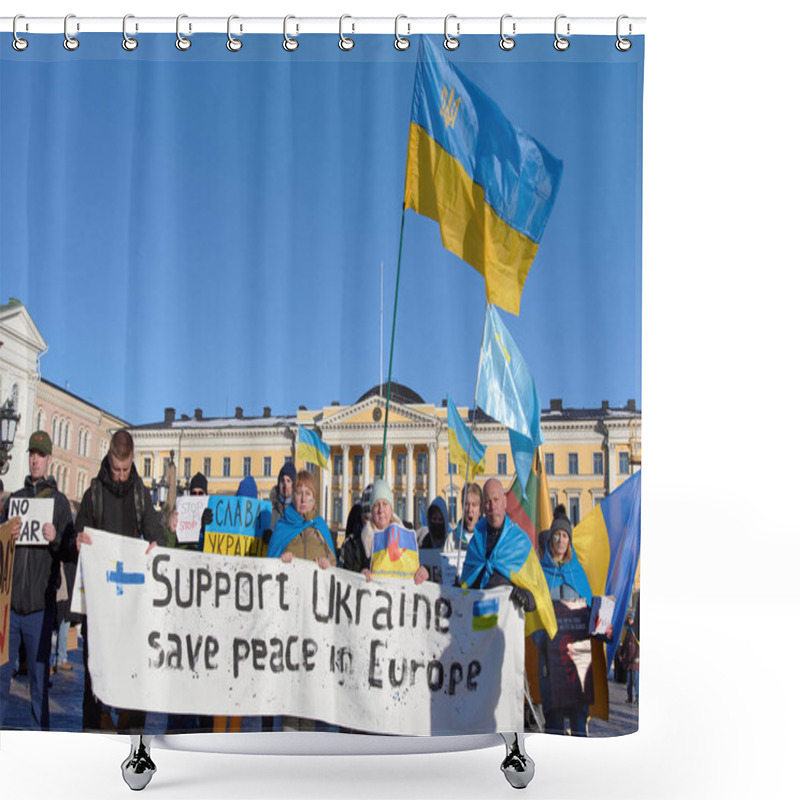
587	452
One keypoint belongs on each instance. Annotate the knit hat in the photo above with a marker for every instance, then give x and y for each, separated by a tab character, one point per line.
561	522
199	481
382	491
41	443
288	469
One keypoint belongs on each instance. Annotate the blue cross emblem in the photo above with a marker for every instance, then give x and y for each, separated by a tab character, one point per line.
120	577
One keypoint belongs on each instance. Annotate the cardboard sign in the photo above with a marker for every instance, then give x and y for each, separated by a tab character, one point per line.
602	617
238	526
6	573
184	632
35	513
190	513
394	553
442	567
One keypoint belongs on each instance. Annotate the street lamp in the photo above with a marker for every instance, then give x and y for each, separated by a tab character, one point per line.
8	428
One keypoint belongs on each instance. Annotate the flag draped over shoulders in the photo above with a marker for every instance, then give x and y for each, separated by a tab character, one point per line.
513	557
489	185
291	525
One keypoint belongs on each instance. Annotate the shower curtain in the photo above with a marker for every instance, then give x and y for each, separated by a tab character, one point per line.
254	258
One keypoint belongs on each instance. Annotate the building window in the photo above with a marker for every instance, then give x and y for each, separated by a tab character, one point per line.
502	464
378	466
573	464
267	466
624	464
226	467
287	459
147	467
452	507
422	463
337	510
60	432
452	469
575	510
358	464
553	501
421	509
597	463
246	466
54	430
207	467
338	464
400	506
550	463
312	468
39	420
401	464
187	468
67	433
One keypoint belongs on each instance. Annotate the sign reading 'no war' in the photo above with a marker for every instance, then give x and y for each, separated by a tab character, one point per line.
35	514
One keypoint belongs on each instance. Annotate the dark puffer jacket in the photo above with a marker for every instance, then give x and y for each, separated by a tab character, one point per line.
37	569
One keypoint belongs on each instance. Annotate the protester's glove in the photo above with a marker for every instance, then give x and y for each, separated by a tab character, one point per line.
208	516
523	599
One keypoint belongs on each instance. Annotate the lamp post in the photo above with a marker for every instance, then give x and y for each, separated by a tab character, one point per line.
8	429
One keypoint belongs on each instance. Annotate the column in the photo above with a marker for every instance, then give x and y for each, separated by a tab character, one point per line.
345	480
612	468
431	473
410	481
324	509
387	468
366	465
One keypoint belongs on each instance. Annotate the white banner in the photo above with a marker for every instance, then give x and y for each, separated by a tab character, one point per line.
190	515
35	513
184	632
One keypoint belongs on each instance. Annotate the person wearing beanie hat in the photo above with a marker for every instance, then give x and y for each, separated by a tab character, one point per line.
199	484
281	494
357	556
34	583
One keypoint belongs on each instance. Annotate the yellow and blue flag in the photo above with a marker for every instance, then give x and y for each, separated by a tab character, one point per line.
607	542
489	185
311	448
507	392
462	442
394	553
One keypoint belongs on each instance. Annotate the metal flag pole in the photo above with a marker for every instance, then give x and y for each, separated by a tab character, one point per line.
391	346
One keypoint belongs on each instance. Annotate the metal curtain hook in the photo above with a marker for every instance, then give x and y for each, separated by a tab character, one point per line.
623	44
507	42
451	42
128	42
400	42
19	44
345	43
233	44
70	42
181	42
560	43
289	44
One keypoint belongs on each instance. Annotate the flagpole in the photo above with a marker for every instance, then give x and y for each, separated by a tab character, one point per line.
471	434
391	346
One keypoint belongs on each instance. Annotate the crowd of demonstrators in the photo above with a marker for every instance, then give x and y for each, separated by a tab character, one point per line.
35	582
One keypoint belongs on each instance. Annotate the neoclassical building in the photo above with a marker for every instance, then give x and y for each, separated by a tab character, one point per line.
588	452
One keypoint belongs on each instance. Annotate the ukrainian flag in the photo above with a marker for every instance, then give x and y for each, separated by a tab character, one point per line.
394	553
489	185
460	439
311	448
607	542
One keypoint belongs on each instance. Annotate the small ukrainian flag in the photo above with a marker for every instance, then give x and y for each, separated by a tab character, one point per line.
462	442
311	448
484	613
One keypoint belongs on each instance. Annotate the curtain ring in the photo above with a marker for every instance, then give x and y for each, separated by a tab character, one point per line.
623	45
181	42
400	42
507	42
233	44
70	42
451	42
19	44
560	43
289	44
128	42
345	43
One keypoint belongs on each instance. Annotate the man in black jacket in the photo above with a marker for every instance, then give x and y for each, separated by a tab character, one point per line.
37	573
116	502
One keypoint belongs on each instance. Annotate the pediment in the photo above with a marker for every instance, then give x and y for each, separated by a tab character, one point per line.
16	322
364	414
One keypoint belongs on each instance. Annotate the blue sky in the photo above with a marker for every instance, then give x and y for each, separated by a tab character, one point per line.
207	229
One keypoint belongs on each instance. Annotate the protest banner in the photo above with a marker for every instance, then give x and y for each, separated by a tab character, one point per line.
190	513
442	567
238	526
34	513
184	632
6	573
394	553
